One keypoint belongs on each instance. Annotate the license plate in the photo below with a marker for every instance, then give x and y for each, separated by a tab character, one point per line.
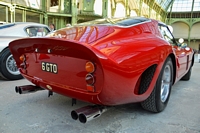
50	67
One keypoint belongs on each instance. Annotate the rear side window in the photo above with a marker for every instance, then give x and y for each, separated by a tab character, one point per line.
37	31
167	35
131	21
117	21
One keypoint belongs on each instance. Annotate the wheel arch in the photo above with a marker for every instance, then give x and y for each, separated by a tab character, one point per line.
148	74
173	58
159	97
192	60
4	72
146	78
4	50
1	52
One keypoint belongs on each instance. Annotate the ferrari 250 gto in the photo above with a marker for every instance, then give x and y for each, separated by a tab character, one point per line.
105	62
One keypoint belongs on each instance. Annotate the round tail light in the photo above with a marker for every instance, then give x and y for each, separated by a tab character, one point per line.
89	67
22	58
89	78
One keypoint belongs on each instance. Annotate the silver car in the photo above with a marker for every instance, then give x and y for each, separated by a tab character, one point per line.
10	32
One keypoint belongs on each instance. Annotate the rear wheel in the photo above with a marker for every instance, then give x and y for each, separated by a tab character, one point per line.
158	99
8	68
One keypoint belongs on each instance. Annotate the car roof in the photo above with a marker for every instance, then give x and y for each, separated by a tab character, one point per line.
22	23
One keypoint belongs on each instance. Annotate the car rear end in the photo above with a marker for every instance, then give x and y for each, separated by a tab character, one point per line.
61	66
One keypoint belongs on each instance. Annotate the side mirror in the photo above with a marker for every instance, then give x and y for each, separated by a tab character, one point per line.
181	43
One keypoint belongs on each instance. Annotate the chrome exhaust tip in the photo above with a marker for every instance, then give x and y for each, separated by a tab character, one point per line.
83	118
92	114
75	113
16	89
88	113
27	89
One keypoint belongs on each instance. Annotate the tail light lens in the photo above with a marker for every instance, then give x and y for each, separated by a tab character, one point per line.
22	58
23	61
89	78
90	88
89	67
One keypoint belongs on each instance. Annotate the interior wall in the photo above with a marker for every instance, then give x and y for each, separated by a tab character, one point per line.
195	44
195	31
180	30
2	13
195	36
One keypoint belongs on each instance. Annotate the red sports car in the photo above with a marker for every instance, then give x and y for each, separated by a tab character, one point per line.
105	62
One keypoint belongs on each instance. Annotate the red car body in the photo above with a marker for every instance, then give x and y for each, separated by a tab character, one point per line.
121	53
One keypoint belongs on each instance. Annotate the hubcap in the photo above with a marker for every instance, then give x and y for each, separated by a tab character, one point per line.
11	66
165	83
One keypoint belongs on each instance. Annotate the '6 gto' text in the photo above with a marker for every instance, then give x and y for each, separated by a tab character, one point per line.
49	67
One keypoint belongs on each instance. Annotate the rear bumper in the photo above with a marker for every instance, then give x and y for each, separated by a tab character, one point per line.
112	92
68	91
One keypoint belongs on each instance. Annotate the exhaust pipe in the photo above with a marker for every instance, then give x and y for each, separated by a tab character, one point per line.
27	89
77	112
88	113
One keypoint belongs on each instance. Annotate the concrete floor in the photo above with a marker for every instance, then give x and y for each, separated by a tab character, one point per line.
36	113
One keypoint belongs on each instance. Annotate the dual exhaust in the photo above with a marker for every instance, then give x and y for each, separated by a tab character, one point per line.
27	89
84	114
88	113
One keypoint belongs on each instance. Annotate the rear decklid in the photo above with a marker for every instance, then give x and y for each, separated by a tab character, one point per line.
57	62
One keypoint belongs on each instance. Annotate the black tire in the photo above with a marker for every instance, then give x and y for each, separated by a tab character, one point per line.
158	99
187	76
8	69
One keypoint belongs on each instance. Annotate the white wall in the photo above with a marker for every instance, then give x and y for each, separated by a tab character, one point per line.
180	30
195	31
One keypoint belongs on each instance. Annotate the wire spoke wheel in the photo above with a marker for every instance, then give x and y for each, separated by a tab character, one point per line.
11	66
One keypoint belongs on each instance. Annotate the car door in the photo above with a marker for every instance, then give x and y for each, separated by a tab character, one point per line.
182	52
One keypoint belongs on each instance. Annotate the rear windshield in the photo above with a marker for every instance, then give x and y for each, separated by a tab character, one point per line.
6	26
131	21
117	21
